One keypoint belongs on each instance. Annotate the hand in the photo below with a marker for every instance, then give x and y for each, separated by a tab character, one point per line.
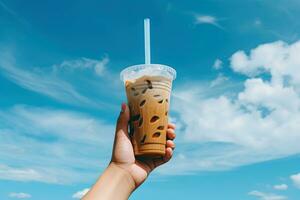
123	154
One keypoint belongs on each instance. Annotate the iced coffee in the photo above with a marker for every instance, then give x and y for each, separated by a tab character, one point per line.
148	91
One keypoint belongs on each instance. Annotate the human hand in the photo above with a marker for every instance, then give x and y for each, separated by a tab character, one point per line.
123	154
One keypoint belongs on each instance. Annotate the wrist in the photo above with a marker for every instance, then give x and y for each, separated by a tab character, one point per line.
123	174
114	183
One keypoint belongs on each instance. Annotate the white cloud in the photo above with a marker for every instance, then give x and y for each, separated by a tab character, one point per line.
278	58
42	83
218	64
98	66
281	187
19	195
17	174
80	194
67	125
207	19
266	196
257	22
43	144
262	93
256	123
55	81
221	79
296	179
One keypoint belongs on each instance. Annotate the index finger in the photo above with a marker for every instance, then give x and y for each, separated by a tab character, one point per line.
171	125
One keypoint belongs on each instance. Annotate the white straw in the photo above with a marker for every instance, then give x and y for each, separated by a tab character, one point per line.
147	40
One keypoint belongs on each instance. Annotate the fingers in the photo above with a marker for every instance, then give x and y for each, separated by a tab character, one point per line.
122	123
122	148
171	134
171	126
168	155
170	144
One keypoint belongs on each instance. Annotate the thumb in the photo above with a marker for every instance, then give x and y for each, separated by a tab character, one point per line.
122	123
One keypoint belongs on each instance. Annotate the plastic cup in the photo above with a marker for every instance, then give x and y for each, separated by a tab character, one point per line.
148	88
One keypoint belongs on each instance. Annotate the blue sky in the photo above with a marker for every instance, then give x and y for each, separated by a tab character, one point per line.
235	100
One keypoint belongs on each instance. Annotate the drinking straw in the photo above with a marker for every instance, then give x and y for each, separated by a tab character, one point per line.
147	40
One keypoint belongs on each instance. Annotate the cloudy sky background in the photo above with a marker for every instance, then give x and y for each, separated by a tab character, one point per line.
235	100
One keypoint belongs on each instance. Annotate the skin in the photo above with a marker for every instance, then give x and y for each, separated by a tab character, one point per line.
125	173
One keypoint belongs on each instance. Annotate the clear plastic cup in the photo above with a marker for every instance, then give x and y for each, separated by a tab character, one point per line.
148	88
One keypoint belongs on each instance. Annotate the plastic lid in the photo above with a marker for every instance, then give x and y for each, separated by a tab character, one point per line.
137	71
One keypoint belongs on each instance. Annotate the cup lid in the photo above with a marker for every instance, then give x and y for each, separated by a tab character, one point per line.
137	71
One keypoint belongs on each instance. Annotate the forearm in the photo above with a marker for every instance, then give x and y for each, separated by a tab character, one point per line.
114	183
